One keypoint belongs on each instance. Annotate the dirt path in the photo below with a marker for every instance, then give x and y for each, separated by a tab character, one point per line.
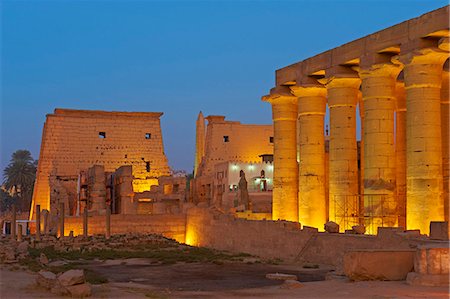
20	284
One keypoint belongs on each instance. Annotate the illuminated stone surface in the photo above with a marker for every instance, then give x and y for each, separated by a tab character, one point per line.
423	79
285	176
311	144
401	177
74	140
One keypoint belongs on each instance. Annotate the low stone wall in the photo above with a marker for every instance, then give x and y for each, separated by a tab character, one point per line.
285	240
170	226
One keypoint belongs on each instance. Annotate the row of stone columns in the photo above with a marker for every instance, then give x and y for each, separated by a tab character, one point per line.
404	146
61	223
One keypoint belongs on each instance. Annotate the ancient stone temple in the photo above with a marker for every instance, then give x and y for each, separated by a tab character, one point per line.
74	141
224	148
398	80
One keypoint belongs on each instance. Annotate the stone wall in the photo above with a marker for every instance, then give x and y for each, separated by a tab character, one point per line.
74	140
233	141
286	240
170	226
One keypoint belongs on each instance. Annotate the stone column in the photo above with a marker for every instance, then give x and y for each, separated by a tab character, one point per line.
312	203
445	101
46	224
400	152
378	93
423	80
343	168
285	174
361	160
38	222
108	222
85	222
19	233
61	220
13	222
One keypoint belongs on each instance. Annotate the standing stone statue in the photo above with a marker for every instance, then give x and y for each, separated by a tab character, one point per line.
243	191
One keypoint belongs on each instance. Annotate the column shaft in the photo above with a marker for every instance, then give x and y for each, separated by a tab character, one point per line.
311	141
423	79
400	152
445	101
285	174
343	167
378	92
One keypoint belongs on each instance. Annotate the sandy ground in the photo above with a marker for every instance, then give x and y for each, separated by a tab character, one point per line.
20	284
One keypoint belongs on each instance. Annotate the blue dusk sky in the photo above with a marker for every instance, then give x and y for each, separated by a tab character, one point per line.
177	57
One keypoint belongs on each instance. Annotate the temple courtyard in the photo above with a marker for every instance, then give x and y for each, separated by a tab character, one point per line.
152	266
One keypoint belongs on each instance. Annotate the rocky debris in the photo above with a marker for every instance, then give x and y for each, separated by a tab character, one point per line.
71	283
57	263
359	229
80	290
72	277
281	276
331	227
22	247
291	284
46	279
43	259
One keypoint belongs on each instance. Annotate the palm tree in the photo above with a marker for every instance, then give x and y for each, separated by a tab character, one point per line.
19	177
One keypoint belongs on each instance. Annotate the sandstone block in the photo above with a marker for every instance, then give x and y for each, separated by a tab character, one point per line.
438	280
331	227
378	264
80	290
43	259
439	230
359	229
22	247
72	277
281	276
46	279
291	284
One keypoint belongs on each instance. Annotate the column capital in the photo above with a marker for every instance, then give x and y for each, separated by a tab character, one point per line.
444	44
340	76
309	90
380	70
280	95
422	56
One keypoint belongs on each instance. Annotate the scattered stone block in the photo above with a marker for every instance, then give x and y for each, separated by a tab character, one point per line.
331	227
22	247
72	277
432	259
80	290
310	229
359	229
291	284
378	264
46	279
439	230
281	276
43	259
437	280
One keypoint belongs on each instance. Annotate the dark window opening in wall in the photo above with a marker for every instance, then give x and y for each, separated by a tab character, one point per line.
147	166
148	136
176	187
271	139
126	156
226	139
102	135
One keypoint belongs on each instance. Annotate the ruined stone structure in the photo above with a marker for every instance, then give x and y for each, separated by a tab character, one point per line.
226	141
399	79
75	140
